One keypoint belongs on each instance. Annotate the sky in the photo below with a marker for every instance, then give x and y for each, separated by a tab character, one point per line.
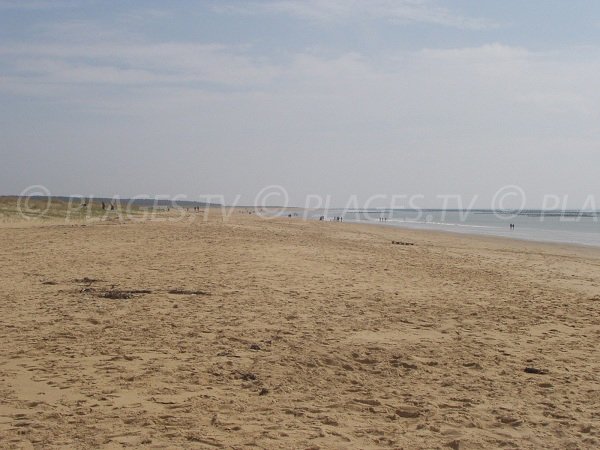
347	99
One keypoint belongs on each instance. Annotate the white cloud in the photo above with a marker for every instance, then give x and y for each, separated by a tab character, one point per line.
479	81
80	32
127	63
144	16
423	11
42	4
485	52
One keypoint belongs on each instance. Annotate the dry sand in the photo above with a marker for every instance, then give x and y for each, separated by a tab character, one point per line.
281	333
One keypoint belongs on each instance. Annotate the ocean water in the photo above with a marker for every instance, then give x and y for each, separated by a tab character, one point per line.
572	227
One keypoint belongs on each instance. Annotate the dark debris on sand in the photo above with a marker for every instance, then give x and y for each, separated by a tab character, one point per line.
535	371
86	280
117	294
247	376
187	292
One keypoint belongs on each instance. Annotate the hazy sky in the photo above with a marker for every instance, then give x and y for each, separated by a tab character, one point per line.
333	97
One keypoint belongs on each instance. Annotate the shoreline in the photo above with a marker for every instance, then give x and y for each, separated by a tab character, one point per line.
192	220
575	245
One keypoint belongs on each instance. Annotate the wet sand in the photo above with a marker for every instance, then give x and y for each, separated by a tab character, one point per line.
289	334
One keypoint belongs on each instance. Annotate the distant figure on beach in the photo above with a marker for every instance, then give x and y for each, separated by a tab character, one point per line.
112	207
103	206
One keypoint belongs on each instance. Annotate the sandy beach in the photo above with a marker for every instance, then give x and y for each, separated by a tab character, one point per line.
281	333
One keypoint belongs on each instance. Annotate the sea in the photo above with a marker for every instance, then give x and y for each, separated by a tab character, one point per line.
570	227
